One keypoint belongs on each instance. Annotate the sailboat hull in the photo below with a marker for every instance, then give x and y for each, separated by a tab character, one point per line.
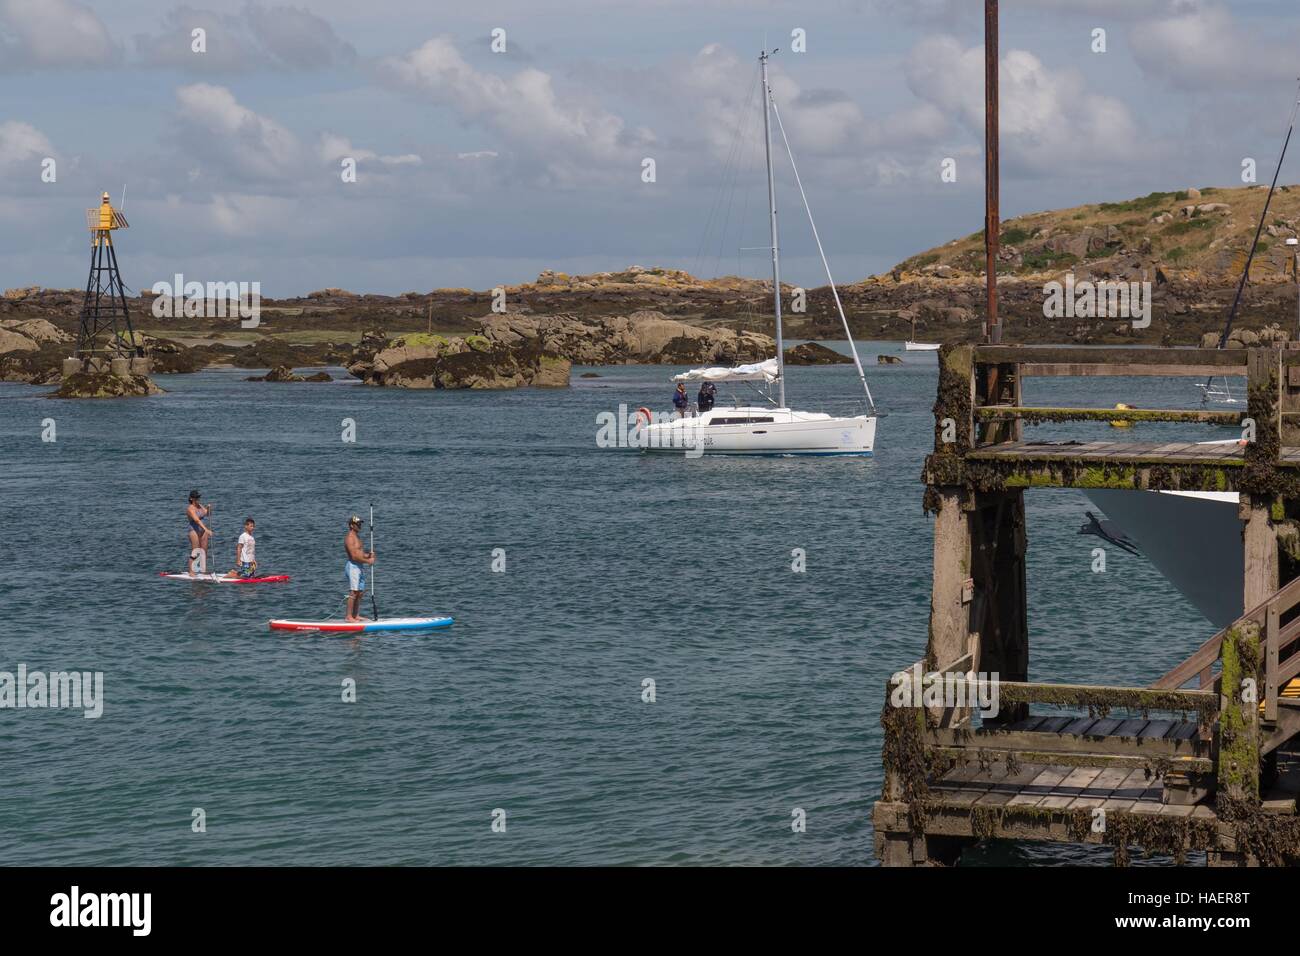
1192	537
764	431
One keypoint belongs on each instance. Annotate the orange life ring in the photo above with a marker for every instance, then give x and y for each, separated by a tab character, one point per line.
643	411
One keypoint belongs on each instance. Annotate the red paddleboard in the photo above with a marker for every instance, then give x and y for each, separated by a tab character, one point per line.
224	578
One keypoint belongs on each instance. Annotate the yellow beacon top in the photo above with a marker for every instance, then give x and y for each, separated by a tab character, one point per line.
105	217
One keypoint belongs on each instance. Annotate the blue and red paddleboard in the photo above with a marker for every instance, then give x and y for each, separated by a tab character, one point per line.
359	627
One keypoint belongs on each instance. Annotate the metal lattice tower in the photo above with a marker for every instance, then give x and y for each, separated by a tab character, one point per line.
104	308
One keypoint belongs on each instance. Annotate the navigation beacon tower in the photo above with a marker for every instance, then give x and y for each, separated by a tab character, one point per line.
103	310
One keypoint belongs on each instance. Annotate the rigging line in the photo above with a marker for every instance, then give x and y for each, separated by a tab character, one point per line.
716	204
1259	228
741	138
862	377
742	224
752	164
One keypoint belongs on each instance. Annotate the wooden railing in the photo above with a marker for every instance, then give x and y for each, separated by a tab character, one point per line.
1281	654
997	371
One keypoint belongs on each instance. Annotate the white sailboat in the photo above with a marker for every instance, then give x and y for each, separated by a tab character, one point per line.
772	428
913	346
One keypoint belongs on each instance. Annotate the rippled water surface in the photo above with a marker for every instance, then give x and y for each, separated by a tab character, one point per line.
619	567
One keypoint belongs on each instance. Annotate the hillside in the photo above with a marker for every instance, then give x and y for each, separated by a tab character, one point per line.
1200	233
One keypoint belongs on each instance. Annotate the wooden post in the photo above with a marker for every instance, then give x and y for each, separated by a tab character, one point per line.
1259	539
999	616
1290	398
1271	628
950	595
1259	549
1238	764
992	225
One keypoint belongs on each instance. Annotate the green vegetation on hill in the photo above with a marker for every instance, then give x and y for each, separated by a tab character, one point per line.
1203	230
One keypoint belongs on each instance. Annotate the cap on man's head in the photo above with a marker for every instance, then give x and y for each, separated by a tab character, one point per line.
355	521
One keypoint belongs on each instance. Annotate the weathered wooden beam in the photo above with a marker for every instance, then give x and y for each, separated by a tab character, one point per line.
1092	758
1132	370
1044	414
1029	740
1223	361
1052	824
1094	695
1122	474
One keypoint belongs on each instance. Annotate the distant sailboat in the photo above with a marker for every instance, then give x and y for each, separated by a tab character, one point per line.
774	428
911	345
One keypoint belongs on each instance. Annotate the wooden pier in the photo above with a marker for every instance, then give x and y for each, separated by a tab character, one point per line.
1166	768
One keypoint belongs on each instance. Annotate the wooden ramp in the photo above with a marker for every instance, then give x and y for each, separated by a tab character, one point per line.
1054	787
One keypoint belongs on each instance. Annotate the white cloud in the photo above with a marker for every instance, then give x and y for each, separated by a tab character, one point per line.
523	109
1049	121
53	33
333	147
1200	46
22	143
277	38
220	130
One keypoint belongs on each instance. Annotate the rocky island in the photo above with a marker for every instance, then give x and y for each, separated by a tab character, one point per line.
1190	245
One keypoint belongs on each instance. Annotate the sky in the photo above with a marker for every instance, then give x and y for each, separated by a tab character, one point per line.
478	167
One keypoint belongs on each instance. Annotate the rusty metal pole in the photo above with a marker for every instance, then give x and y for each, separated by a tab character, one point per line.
993	325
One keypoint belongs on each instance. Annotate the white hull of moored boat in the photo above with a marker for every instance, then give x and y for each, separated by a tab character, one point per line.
921	346
1192	537
763	431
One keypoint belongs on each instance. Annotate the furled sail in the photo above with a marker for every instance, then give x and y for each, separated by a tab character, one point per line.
757	372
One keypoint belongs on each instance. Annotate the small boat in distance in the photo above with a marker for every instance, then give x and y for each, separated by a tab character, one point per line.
911	345
772	428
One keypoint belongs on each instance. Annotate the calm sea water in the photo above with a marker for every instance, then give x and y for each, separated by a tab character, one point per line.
620	567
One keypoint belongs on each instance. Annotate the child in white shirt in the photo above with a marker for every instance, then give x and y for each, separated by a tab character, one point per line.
246	551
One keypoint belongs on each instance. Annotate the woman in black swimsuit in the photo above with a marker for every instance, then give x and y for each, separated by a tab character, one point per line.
200	536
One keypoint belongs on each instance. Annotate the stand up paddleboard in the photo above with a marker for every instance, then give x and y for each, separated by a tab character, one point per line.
345	627
224	578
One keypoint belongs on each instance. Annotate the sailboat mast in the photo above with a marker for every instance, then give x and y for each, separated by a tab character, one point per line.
776	252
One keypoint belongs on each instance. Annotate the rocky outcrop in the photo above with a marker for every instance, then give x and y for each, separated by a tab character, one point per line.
422	360
811	353
283	373
31	351
104	385
37	330
642	338
1244	338
888	360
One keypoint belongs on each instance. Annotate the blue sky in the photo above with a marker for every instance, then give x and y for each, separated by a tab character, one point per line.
478	168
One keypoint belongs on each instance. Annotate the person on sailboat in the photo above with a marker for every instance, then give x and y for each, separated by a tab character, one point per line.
704	400
681	401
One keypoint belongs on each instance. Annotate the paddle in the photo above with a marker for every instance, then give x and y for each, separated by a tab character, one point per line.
374	608
209	555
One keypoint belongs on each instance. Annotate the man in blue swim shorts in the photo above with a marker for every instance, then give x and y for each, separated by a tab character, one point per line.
353	570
